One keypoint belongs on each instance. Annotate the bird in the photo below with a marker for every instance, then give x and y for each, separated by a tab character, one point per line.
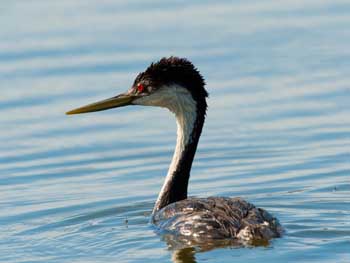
176	84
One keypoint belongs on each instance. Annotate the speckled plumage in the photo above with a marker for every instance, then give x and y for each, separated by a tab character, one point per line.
198	220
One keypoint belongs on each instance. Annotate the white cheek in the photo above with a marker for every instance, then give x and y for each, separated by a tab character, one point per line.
179	101
172	97
159	99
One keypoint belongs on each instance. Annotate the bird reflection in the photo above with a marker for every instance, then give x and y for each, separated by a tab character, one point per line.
184	251
184	255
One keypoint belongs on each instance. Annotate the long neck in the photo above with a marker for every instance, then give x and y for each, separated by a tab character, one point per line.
189	119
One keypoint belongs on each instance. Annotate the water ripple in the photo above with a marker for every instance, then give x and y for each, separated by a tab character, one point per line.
81	189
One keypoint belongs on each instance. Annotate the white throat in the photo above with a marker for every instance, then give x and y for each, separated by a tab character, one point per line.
179	101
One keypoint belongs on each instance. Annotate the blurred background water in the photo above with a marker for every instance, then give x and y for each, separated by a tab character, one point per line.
81	188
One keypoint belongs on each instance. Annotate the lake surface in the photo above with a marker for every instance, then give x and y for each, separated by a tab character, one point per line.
81	188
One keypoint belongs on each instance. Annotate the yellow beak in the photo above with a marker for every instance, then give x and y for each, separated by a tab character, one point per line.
118	101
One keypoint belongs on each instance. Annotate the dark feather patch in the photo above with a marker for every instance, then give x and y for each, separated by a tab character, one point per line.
174	70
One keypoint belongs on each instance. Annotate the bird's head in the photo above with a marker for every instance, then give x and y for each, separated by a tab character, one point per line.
171	83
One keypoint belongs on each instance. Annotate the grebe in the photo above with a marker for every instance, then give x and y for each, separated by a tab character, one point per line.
174	83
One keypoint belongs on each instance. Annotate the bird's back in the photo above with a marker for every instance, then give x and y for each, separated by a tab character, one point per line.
200	220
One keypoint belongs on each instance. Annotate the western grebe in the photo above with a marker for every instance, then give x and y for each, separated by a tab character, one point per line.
174	83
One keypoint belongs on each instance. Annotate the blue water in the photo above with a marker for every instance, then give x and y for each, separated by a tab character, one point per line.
81	188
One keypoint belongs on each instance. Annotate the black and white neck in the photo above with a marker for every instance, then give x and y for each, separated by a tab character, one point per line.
174	83
190	115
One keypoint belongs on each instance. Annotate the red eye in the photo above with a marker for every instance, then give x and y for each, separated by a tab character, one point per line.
140	87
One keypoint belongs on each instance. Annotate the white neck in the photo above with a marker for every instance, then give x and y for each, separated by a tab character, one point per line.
179	101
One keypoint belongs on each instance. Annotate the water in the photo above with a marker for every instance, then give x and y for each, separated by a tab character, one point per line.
81	188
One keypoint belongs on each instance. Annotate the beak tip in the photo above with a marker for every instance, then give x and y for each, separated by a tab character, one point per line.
75	111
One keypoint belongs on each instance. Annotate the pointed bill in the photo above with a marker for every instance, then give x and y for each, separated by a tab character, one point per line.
118	101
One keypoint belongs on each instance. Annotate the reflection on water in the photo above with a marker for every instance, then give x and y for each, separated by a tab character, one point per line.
277	130
186	252
185	255
174	243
